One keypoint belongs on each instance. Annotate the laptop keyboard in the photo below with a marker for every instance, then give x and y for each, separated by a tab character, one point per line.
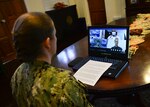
113	61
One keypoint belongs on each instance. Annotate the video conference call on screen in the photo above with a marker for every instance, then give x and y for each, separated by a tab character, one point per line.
108	39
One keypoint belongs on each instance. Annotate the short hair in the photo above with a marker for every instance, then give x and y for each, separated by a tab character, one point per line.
29	31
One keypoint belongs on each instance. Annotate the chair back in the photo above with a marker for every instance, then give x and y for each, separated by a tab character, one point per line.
8	68
1	68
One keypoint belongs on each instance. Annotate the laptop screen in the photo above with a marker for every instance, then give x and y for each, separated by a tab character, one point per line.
109	41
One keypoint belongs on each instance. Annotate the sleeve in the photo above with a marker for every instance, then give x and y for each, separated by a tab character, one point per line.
59	89
75	92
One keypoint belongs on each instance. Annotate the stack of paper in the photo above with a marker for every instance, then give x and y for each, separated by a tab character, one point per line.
90	72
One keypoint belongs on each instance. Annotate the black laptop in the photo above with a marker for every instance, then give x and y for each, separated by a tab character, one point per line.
108	43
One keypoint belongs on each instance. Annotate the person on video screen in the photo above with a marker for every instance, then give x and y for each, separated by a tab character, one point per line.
116	48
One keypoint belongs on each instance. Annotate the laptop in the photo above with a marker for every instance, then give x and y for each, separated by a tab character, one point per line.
108	43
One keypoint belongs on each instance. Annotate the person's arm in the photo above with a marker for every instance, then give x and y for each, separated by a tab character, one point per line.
58	90
76	93
68	92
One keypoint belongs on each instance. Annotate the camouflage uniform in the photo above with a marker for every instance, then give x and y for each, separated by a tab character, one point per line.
38	84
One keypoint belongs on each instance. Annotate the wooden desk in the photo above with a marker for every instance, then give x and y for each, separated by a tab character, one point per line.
134	78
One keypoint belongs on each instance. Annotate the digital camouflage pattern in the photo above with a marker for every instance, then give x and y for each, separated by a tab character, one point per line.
39	84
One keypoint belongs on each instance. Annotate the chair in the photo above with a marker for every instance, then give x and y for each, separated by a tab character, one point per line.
8	68
69	28
1	68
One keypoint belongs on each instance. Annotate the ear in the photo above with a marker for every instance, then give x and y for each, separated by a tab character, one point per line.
47	43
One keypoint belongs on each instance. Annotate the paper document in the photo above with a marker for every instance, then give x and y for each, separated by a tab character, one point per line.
90	72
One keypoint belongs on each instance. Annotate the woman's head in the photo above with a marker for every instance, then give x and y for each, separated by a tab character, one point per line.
29	32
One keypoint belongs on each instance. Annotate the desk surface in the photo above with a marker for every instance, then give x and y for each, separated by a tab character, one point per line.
135	77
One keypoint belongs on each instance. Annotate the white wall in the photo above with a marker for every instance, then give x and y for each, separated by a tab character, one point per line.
114	8
83	9
49	4
34	5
